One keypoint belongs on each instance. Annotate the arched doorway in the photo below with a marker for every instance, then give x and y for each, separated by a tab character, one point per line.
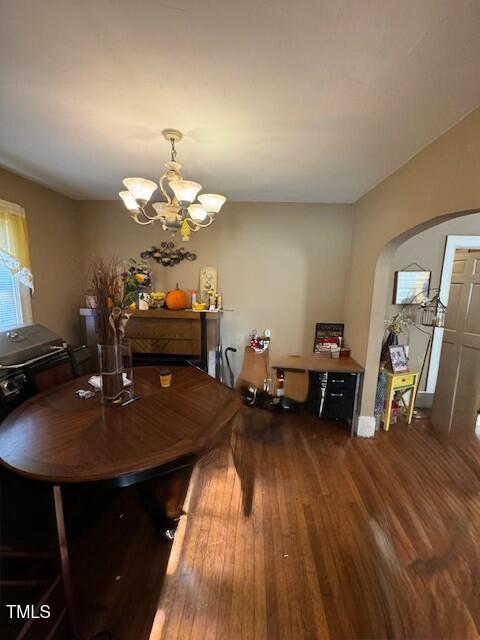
382	290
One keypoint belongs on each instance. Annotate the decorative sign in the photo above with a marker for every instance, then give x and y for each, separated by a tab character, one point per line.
167	255
411	287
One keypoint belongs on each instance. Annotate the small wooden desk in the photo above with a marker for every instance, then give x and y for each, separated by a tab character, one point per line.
405	382
327	385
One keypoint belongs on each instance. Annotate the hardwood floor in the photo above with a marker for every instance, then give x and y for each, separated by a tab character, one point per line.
119	562
347	539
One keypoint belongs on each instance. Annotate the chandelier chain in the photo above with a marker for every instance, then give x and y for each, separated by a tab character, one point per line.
174	151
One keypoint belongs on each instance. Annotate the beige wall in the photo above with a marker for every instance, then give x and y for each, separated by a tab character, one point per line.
427	248
281	266
55	253
443	179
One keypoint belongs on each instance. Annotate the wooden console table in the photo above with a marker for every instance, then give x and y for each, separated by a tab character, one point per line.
185	335
334	385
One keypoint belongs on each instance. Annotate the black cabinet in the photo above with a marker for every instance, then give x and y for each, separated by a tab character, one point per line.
333	395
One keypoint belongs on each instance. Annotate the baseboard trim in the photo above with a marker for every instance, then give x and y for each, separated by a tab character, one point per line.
366	426
424	400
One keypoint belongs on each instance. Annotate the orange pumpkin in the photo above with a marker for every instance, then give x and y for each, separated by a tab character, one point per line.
176	299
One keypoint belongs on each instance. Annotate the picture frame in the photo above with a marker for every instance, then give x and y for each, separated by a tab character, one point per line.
411	287
326	334
208	282
398	358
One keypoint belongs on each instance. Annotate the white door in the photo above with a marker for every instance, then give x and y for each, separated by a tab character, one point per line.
457	394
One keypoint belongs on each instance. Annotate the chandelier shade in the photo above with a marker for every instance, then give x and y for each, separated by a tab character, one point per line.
129	201
178	210
140	188
212	202
185	190
197	212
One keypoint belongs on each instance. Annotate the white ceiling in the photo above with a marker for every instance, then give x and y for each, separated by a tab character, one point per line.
282	100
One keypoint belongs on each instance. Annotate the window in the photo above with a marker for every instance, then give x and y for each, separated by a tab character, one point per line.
10	300
15	302
15	275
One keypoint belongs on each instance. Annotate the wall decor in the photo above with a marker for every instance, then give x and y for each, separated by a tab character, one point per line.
411	287
208	283
167	255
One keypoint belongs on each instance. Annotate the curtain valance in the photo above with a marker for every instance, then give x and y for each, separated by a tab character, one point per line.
14	247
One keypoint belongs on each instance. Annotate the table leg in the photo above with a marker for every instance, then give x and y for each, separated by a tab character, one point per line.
413	396
388	408
65	567
64	559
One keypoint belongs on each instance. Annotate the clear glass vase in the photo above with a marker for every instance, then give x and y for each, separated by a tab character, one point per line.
116	372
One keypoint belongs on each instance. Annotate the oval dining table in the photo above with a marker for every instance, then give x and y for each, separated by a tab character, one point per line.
58	438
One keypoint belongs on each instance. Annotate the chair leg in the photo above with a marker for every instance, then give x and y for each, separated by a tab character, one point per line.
155	510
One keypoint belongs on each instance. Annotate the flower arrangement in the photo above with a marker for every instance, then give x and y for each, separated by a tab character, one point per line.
137	277
112	301
397	323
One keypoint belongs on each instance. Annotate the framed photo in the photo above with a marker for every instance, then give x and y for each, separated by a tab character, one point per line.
208	282
398	358
327	334
411	287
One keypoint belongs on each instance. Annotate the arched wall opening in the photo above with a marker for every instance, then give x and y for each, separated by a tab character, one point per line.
379	304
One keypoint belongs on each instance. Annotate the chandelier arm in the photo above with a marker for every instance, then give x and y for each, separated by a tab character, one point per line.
136	219
145	214
199	225
163	190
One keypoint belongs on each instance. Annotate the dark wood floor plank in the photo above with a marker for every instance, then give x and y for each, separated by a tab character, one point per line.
349	539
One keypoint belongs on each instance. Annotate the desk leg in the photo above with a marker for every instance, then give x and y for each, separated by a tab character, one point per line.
64	559
356	405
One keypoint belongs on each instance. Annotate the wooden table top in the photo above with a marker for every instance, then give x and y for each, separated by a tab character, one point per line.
58	437
317	363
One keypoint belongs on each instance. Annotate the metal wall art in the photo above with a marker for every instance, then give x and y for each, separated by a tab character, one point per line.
167	255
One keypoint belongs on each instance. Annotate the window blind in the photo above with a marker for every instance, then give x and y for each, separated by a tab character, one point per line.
10	305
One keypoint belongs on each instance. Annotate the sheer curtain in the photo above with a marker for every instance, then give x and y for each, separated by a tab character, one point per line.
14	247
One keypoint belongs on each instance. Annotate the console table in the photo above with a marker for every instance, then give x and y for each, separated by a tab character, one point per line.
161	335
334	385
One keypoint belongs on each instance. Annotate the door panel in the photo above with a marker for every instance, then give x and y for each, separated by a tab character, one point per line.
473	313
453	305
444	394
466	397
457	396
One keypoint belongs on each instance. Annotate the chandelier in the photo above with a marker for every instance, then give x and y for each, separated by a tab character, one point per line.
178	211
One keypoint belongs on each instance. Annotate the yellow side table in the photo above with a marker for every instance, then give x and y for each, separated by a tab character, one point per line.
403	383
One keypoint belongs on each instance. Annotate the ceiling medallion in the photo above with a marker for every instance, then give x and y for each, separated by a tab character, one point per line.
178	210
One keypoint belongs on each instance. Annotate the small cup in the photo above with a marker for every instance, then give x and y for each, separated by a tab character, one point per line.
165	378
